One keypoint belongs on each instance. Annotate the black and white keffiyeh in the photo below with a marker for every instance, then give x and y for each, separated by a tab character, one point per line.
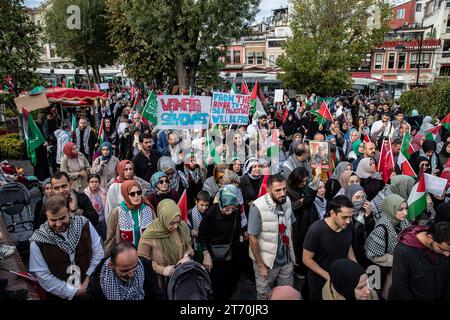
67	243
196	218
116	289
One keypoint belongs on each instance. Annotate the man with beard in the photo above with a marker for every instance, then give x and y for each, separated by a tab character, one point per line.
79	202
64	251
145	162
369	151
85	138
326	241
124	276
270	234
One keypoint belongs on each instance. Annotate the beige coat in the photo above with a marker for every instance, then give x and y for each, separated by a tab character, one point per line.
105	171
74	167
151	250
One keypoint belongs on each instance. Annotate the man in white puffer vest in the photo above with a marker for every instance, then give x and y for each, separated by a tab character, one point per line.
270	235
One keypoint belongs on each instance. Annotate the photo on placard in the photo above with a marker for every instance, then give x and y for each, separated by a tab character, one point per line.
320	154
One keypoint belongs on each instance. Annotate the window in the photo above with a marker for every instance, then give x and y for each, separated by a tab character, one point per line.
251	57
259	57
418	7
237	57
228	57
446	45
401	61
275	44
400	13
391	60
52	52
425	61
271	60
378	61
445	71
447	4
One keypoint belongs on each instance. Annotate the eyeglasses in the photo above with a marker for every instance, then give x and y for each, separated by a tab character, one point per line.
135	193
163	181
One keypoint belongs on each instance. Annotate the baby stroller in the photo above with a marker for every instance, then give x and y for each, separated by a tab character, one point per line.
190	281
16	213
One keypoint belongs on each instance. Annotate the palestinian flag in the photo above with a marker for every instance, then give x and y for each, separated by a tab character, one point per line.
74	122
211	147
323	113
417	200
446	122
150	110
285	114
101	134
386	163
432	133
233	88
32	134
404	164
263	188
406	149
182	204
244	88
255	103
273	148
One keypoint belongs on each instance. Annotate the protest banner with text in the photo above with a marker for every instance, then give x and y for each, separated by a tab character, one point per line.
175	112
228	108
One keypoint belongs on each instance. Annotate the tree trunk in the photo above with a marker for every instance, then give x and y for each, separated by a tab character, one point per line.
192	78
86	68
183	78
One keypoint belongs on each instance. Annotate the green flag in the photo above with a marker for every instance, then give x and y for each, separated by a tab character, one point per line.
150	110
33	136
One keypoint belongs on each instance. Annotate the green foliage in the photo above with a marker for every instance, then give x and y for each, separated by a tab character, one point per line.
19	49
12	147
329	37
86	46
434	100
189	32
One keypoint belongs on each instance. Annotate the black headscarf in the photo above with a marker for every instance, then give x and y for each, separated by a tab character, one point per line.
344	276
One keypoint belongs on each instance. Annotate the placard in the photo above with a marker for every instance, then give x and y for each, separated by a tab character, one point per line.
278	95
183	112
228	108
320	154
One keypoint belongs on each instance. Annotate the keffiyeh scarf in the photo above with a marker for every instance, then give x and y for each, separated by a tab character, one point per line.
126	222
116	289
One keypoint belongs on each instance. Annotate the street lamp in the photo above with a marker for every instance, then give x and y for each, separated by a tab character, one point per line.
420	54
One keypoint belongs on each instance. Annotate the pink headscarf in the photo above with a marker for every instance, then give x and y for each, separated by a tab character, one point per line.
284	293
415	143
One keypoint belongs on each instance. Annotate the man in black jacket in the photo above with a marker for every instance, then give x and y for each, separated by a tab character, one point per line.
124	276
421	270
145	162
79	202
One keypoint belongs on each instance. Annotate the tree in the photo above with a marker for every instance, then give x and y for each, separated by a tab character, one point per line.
328	38
19	51
191	31
143	60
88	45
433	100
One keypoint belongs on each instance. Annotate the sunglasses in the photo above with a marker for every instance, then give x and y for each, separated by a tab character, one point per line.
135	193
163	181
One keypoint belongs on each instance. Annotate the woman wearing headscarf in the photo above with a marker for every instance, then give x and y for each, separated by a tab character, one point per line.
381	242
400	185
111	135
166	242
333	185
362	219
371	180
347	179
426	124
348	144
251	182
177	179
97	195
105	165
236	166
76	165
417	141
129	220
348	281
444	155
125	171
357	151
213	184
39	215
221	226
427	151
160	190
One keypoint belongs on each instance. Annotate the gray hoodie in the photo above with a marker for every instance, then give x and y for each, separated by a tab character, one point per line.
62	137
